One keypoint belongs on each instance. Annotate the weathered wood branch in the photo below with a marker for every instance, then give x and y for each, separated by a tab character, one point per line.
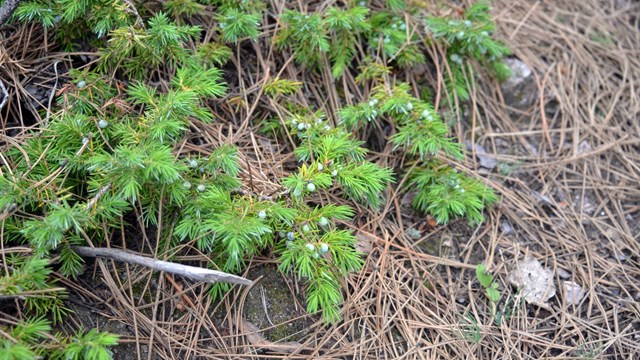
7	9
191	272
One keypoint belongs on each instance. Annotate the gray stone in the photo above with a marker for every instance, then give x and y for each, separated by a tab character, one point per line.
520	90
563	274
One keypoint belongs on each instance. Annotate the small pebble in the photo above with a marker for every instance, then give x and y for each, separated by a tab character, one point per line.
506	228
563	274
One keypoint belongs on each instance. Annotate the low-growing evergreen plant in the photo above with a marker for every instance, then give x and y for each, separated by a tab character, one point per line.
112	146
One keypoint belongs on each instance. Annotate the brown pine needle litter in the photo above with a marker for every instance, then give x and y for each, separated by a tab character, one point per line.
568	171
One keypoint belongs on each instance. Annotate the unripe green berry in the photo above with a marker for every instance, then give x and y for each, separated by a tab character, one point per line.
262	214
324	247
193	163
306	228
323	221
187	185
310	247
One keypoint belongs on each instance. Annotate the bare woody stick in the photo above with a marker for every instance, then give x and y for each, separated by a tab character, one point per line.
7	9
191	272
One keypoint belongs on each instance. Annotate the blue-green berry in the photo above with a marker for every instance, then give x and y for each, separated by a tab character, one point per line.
262	214
306	228
81	84
201	188
187	185
193	163
291	235
311	187
324	247
323	221
310	247
103	123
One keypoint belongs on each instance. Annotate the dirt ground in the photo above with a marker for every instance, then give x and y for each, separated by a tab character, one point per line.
563	151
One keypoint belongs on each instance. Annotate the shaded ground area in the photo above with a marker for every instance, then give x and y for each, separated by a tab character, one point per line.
564	155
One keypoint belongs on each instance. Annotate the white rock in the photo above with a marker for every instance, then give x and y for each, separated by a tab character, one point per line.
534	282
573	293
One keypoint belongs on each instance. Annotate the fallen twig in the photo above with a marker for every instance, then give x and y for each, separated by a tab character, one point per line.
5	94
191	272
7	9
